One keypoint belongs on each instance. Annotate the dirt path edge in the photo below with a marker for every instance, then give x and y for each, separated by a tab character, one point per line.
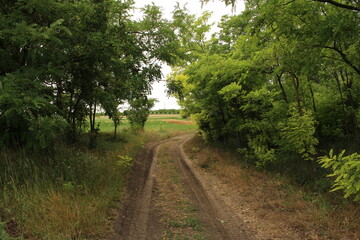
135	206
234	226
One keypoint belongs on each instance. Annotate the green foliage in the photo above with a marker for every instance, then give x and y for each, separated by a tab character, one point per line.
139	112
346	172
71	58
125	161
297	135
265	157
184	113
46	131
72	193
279	82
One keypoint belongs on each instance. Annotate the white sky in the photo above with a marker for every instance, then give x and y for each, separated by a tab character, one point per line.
218	9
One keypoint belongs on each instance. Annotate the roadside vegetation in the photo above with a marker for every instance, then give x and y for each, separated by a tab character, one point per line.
62	62
268	200
73	192
280	85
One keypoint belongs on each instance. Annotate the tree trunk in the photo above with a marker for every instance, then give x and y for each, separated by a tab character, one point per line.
278	77
312	95
352	104
296	83
115	130
93	130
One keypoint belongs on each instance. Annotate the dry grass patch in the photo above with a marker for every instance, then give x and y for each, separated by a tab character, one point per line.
177	210
273	207
66	216
180	122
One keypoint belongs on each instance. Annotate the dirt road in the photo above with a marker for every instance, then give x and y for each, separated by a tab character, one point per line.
168	199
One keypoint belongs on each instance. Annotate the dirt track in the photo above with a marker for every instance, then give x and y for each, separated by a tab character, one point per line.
149	211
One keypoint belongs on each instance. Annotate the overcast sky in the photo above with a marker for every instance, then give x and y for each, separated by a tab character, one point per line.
194	6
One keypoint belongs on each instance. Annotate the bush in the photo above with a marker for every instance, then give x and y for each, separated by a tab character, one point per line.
346	169
139	112
297	135
184	113
44	131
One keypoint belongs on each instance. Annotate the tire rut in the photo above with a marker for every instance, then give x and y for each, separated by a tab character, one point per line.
139	219
200	196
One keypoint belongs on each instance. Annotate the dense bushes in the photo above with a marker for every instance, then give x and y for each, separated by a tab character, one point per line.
280	83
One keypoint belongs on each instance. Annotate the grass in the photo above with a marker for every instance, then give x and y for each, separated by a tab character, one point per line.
74	192
68	195
154	123
270	198
178	211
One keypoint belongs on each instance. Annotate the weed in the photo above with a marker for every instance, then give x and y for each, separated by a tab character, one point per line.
200	237
175	224
194	223
195	149
4	235
181	237
275	198
192	209
125	162
175	179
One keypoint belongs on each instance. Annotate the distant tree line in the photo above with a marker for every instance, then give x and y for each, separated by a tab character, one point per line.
165	111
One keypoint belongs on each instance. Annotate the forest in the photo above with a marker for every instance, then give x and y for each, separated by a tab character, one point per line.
279	84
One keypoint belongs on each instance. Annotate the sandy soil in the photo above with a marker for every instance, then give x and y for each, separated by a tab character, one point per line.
179	122
168	198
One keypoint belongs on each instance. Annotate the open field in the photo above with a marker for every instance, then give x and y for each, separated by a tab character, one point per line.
159	123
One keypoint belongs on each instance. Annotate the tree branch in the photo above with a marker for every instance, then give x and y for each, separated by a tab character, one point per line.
343	56
333	58
341	5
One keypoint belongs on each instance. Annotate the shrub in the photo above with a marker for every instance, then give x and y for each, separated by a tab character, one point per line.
297	135
139	112
346	169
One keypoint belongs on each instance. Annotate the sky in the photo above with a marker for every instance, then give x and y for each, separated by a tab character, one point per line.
218	9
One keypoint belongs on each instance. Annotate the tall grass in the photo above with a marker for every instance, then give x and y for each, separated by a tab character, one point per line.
273	198
73	192
69	194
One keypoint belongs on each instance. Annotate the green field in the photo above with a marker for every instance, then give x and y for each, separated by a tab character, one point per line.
154	123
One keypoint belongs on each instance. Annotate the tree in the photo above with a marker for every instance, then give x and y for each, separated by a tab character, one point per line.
139	111
278	80
68	59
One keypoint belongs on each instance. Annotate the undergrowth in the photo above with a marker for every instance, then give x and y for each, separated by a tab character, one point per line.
276	198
